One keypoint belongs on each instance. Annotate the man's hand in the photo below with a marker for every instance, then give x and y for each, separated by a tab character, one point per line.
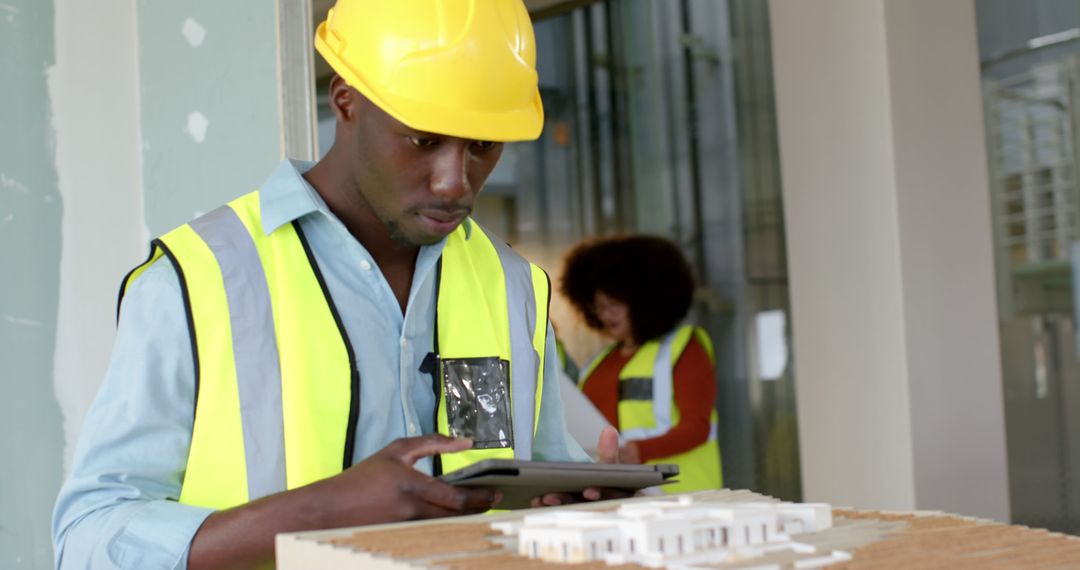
386	488
607	451
383	488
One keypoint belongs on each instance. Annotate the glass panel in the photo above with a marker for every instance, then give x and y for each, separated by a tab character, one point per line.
1031	85
642	100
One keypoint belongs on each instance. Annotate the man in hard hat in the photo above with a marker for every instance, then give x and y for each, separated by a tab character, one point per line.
279	360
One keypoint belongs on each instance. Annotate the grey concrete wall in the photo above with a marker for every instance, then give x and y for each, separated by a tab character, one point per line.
94	109
31	440
208	83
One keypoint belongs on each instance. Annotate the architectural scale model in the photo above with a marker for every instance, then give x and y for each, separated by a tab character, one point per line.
716	530
676	533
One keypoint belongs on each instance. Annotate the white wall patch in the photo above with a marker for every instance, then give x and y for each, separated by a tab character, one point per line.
193	32
8	12
22	321
13	184
197	123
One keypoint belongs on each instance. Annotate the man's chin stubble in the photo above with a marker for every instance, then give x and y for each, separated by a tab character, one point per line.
394	229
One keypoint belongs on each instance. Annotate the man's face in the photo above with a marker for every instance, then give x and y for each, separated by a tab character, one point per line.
421	185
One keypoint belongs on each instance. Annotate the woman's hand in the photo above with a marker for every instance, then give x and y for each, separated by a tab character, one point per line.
607	451
629	453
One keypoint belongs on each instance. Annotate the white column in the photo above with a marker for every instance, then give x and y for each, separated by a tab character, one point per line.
95	103
886	203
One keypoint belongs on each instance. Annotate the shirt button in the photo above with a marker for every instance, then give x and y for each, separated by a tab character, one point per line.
402	342
412	428
365	265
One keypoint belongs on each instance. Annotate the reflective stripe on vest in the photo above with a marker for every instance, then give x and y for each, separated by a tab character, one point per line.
276	379
254	348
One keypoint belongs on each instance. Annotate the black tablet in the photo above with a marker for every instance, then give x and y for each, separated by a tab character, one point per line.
520	481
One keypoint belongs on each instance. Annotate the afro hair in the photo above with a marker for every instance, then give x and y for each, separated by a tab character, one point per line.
649	274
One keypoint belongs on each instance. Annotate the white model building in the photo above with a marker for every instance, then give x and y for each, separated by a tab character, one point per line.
677	534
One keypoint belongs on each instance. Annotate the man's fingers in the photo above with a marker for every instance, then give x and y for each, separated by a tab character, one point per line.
589	494
457	499
553	500
605	494
425	510
411	449
607	448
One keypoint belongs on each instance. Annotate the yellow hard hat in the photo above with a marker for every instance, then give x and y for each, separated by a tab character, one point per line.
461	68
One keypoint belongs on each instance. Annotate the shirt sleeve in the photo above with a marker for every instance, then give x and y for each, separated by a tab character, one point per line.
118	507
695	392
553	442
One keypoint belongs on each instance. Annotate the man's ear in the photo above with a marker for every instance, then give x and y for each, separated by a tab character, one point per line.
343	100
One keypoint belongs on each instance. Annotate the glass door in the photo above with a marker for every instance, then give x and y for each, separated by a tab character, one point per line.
1031	80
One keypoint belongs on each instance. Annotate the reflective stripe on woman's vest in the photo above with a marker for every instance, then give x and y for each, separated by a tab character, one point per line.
277	385
647	406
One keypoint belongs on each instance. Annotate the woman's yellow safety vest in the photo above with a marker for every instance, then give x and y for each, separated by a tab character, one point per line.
647	406
277	385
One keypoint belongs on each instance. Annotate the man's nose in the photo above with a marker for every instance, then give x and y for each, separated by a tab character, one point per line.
449	179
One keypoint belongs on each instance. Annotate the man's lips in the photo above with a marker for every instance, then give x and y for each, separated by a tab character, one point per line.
441	221
444	216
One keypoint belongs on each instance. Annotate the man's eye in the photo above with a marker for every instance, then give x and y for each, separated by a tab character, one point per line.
483	145
421	142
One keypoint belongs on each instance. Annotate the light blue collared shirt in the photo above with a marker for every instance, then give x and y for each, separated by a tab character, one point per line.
119	509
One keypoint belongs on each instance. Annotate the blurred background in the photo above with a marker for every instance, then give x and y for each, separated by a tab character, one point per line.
878	197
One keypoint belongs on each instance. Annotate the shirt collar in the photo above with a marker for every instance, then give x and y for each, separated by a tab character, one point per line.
286	196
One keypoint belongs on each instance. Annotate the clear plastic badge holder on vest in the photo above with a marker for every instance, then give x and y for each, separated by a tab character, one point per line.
478	401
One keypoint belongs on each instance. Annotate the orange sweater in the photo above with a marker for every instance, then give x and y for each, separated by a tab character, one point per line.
695	392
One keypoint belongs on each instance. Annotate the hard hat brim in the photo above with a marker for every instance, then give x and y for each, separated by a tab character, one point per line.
427	116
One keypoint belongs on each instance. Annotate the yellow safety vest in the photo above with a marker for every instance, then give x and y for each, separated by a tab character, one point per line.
647	407
277	386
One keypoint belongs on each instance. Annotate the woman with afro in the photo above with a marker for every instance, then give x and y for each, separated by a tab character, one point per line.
655	381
